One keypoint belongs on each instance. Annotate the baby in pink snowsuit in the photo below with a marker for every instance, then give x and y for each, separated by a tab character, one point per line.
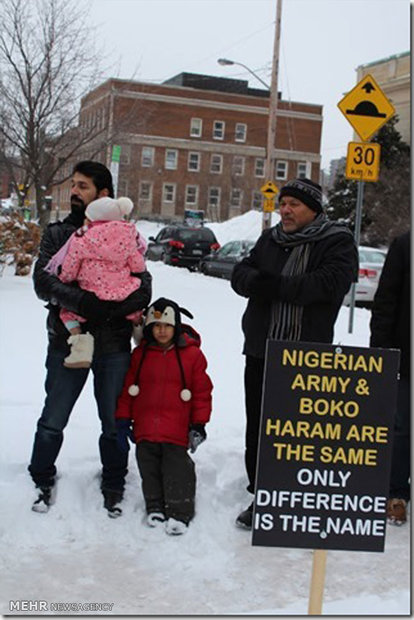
101	257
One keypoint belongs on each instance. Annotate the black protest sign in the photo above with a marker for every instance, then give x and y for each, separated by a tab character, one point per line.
325	446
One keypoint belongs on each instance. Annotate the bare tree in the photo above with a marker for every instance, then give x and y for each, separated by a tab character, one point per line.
47	62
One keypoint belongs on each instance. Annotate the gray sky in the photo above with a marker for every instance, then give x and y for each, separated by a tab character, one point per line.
322	44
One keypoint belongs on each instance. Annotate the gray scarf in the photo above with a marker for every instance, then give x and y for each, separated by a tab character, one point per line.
286	318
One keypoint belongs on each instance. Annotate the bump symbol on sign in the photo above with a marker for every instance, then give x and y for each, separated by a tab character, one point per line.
366	108
269	189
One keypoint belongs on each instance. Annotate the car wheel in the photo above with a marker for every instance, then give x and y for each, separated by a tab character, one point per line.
166	259
203	268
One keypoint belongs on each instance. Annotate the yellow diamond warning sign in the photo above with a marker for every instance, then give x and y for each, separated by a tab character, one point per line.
362	161
366	108
269	190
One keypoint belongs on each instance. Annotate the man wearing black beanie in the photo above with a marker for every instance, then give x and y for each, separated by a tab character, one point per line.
295	279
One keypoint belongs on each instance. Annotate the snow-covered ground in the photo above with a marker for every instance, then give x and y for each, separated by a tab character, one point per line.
75	554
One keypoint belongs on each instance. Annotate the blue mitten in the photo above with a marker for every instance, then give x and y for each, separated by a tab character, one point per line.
196	435
124	432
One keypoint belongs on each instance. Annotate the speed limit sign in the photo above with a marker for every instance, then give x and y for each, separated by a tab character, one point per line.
362	161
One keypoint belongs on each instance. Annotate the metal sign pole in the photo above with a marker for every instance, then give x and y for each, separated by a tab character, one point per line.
357	235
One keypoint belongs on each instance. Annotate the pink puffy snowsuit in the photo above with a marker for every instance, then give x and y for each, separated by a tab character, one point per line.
102	259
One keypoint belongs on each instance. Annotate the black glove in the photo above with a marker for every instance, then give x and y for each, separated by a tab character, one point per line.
124	432
93	308
137	300
264	286
196	435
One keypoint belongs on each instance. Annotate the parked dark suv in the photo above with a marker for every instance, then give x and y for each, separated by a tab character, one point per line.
182	245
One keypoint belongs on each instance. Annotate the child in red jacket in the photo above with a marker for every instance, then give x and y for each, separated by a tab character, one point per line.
167	396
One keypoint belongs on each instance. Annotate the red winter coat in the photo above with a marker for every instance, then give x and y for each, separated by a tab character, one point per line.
158	412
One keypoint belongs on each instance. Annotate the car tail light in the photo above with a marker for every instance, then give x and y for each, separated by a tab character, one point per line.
176	244
214	246
368	273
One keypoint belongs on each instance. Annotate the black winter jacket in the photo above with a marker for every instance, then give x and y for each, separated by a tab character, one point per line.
332	267
390	319
111	335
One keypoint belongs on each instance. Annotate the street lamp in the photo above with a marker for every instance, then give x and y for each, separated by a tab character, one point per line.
226	61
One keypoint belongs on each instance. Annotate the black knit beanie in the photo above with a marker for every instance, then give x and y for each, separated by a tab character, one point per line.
306	191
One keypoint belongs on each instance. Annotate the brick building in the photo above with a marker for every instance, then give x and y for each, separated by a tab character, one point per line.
197	141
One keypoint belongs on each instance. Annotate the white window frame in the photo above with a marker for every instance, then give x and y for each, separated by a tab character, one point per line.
240	132
216	201
257	199
191	189
281	175
218	133
196	127
236	201
219	161
191	161
122	189
304	169
165	194
148	153
141	185
238	165
171	159
125	154
259	168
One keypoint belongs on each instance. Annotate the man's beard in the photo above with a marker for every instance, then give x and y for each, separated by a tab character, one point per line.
77	206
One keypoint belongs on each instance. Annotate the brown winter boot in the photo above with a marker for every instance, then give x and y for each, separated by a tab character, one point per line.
81	351
396	511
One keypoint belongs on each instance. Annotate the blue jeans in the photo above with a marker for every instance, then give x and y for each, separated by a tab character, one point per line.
63	387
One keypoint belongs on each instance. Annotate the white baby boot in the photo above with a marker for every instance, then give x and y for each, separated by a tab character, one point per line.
81	351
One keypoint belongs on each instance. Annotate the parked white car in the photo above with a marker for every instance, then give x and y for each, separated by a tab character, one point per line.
371	261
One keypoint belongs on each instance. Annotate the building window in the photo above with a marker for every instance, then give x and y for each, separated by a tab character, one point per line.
147	157
238	165
281	170
218	130
214	196
194	161
236	196
145	190
122	189
171	157
191	195
257	200
259	167
240	132
168	192
125	154
304	169
216	164
196	127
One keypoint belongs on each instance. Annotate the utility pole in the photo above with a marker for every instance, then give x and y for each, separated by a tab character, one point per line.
271	129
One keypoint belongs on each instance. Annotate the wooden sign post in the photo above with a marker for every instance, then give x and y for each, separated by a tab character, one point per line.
317	582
